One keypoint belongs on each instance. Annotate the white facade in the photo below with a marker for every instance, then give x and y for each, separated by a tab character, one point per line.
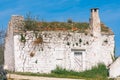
114	70
66	49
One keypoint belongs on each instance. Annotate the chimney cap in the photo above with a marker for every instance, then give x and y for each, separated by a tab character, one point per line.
94	8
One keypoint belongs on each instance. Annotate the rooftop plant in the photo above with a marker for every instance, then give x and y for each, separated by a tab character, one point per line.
32	24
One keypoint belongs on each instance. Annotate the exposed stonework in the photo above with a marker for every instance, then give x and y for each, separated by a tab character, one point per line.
67	49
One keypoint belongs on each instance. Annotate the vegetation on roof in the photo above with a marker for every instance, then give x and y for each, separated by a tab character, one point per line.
32	24
63	26
104	28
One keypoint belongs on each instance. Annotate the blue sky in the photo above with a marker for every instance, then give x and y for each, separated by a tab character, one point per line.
61	10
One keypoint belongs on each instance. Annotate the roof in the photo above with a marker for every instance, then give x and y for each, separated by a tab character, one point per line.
64	26
106	30
74	26
81	27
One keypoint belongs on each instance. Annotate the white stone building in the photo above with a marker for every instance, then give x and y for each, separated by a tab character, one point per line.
71	50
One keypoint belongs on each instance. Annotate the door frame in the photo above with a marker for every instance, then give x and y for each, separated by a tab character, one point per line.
83	58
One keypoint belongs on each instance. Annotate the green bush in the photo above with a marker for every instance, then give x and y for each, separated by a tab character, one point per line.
23	38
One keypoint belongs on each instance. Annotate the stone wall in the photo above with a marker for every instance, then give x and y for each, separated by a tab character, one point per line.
13	26
9	48
57	49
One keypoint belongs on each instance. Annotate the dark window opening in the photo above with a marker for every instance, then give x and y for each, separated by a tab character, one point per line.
78	53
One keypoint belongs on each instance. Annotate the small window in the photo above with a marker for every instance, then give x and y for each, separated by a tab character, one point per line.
78	53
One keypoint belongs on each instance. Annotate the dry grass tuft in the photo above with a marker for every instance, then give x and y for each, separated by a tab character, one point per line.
38	40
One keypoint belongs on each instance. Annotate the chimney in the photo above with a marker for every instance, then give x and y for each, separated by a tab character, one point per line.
95	22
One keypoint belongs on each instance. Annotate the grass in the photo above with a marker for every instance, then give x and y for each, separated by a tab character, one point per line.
96	72
99	72
63	26
32	24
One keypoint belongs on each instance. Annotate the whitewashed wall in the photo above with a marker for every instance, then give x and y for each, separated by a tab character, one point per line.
55	51
9	49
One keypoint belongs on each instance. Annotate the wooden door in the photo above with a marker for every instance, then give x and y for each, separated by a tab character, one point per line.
78	61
